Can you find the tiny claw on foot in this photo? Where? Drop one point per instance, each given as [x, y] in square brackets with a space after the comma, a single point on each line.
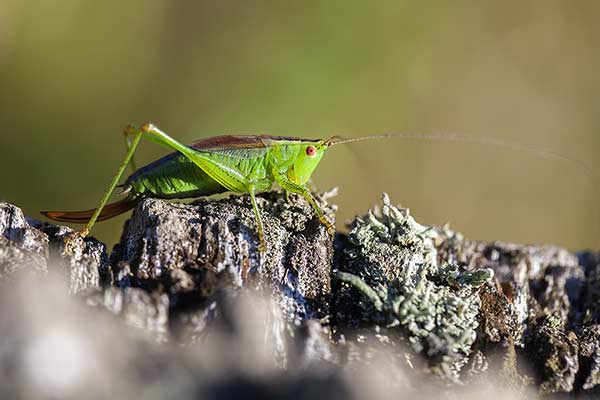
[84, 232]
[329, 227]
[262, 247]
[331, 231]
[129, 130]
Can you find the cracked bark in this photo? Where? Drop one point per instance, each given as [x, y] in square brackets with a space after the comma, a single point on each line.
[419, 301]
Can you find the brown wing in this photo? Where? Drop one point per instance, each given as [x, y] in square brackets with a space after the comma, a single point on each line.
[227, 142]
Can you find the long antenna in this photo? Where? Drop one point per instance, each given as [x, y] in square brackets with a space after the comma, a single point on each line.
[450, 137]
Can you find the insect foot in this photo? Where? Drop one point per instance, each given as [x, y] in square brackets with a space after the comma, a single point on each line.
[262, 245]
[328, 226]
[129, 130]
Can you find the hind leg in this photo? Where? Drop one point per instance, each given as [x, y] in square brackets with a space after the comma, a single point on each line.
[128, 157]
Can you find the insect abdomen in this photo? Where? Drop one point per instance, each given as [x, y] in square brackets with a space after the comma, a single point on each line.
[173, 176]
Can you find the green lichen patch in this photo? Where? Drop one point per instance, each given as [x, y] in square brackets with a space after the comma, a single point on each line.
[392, 263]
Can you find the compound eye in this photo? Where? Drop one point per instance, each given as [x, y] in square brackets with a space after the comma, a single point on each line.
[311, 151]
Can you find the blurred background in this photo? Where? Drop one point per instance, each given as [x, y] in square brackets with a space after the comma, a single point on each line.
[74, 73]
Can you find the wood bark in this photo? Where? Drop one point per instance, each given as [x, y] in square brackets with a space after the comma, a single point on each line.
[391, 306]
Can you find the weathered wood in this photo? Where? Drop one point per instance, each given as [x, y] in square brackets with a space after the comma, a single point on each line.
[31, 246]
[390, 299]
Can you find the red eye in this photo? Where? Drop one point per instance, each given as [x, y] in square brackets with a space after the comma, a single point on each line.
[311, 151]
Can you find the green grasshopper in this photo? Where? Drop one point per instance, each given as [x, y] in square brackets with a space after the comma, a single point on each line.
[237, 164]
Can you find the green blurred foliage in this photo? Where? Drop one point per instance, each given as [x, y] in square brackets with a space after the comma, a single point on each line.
[74, 72]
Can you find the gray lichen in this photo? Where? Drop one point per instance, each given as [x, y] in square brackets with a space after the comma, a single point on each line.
[392, 261]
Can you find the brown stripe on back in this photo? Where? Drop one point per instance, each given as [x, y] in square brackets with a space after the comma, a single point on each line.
[240, 141]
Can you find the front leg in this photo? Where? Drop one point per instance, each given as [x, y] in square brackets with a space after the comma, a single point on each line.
[292, 187]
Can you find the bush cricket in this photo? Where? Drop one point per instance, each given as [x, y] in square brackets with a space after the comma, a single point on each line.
[237, 164]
